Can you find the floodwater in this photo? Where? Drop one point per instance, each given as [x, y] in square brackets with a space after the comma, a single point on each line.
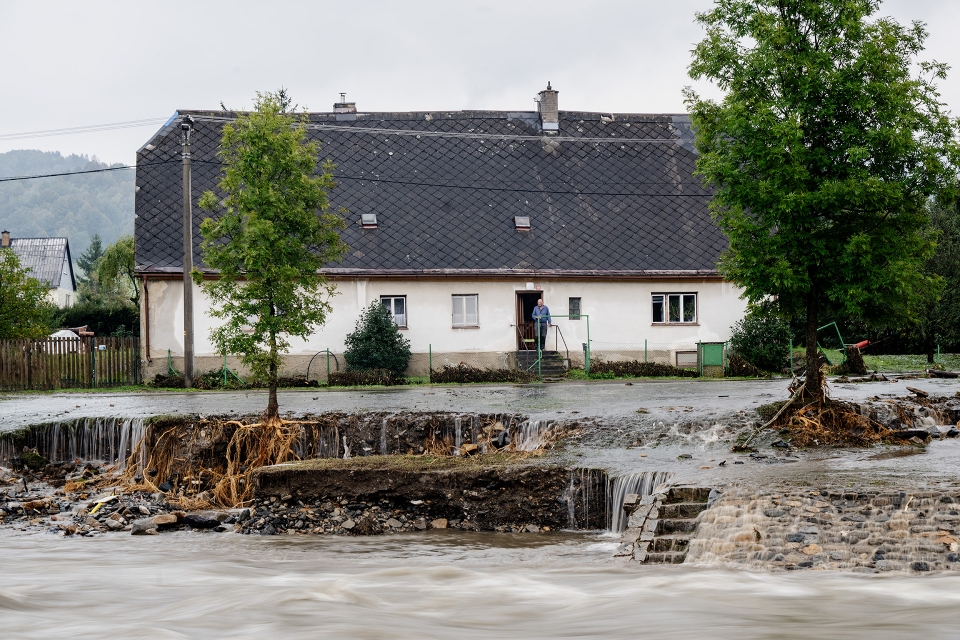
[700, 399]
[434, 585]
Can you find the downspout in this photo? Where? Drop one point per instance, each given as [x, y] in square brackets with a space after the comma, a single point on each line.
[146, 321]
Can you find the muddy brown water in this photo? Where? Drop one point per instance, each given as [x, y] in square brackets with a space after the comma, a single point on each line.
[434, 585]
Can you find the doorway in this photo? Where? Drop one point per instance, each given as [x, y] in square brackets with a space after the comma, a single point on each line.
[526, 332]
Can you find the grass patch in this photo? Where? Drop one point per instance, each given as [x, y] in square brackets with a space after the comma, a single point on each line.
[401, 462]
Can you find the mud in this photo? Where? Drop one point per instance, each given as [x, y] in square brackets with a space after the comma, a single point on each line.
[512, 496]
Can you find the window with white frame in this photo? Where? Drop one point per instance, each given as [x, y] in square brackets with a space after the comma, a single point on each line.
[397, 306]
[674, 308]
[465, 310]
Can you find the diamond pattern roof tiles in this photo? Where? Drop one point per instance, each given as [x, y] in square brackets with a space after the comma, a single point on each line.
[603, 196]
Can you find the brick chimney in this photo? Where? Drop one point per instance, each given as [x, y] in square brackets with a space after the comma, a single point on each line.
[6, 239]
[549, 110]
[345, 110]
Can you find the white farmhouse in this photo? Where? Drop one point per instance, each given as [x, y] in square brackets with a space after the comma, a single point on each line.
[49, 261]
[459, 221]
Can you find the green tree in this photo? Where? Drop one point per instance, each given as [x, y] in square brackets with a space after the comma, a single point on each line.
[273, 233]
[937, 320]
[24, 306]
[88, 259]
[823, 154]
[377, 342]
[116, 270]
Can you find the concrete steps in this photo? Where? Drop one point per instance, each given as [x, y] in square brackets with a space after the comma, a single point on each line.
[676, 523]
[551, 367]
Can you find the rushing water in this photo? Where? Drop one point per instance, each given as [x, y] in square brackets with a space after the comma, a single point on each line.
[434, 585]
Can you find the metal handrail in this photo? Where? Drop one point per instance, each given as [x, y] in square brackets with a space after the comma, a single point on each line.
[523, 342]
[328, 353]
[560, 334]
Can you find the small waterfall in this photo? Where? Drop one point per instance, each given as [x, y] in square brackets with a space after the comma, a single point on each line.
[383, 437]
[103, 440]
[457, 435]
[531, 435]
[642, 483]
[586, 489]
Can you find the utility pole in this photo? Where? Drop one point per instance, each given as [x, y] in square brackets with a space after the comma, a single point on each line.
[186, 125]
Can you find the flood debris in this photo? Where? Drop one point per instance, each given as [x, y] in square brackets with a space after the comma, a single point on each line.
[912, 419]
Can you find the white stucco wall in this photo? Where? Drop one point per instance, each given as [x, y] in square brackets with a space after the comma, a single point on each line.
[619, 312]
[62, 297]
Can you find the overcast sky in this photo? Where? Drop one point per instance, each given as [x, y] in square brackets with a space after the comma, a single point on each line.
[72, 64]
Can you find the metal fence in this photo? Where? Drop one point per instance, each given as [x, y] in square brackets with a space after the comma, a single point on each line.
[707, 358]
[68, 363]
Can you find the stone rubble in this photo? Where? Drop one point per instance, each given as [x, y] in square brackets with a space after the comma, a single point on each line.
[861, 531]
[291, 515]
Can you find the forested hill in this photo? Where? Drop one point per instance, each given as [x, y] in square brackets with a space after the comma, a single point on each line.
[73, 206]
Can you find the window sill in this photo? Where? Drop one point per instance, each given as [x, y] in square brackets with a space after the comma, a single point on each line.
[465, 326]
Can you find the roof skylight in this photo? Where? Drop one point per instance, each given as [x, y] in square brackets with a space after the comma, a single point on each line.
[368, 220]
[522, 223]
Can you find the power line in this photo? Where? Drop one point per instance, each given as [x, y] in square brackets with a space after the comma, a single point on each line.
[398, 182]
[85, 129]
[412, 183]
[75, 173]
[460, 134]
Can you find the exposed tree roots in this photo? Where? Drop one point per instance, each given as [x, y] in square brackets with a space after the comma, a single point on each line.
[832, 424]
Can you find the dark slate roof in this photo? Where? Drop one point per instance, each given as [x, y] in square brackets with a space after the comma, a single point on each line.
[611, 194]
[45, 258]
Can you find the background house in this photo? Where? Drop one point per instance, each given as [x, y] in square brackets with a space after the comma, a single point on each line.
[49, 261]
[459, 221]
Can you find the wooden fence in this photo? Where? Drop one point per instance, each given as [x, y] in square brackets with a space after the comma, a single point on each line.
[68, 363]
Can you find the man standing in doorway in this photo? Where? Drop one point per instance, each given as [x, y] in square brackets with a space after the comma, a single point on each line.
[541, 315]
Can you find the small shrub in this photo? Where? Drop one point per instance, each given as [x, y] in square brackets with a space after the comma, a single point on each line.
[637, 369]
[377, 343]
[464, 373]
[762, 338]
[366, 378]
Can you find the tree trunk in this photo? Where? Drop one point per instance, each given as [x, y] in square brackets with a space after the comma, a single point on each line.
[930, 347]
[273, 407]
[812, 389]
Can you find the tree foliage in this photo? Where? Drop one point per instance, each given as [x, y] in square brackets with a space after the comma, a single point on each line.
[87, 261]
[272, 234]
[762, 338]
[823, 155]
[111, 278]
[377, 343]
[104, 320]
[937, 320]
[24, 305]
[116, 270]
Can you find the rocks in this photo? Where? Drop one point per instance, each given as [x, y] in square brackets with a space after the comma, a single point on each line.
[439, 523]
[348, 525]
[144, 527]
[811, 549]
[198, 521]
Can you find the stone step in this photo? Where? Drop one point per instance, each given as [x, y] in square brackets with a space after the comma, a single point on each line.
[682, 510]
[677, 495]
[670, 543]
[669, 557]
[676, 525]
